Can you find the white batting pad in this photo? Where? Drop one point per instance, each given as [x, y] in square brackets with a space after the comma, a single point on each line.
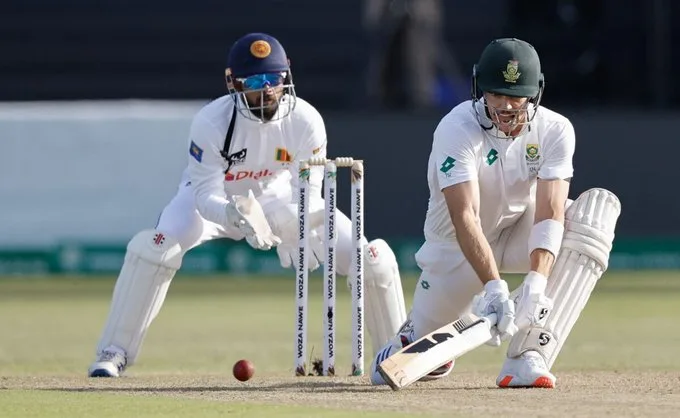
[151, 261]
[583, 258]
[385, 310]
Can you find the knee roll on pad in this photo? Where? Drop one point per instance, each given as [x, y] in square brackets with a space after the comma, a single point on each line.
[156, 248]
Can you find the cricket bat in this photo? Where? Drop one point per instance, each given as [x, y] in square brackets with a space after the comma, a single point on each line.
[434, 350]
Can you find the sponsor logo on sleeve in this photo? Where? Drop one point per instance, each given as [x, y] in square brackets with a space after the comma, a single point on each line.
[447, 165]
[196, 151]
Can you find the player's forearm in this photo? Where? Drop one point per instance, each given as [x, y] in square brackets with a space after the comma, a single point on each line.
[210, 204]
[207, 182]
[551, 210]
[542, 261]
[475, 246]
[546, 235]
[214, 209]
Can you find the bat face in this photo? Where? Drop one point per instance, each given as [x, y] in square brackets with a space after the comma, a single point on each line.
[435, 349]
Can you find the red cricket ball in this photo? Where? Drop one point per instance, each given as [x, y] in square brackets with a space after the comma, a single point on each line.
[243, 370]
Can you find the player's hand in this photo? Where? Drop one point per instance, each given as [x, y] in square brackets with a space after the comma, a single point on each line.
[245, 213]
[532, 305]
[288, 254]
[496, 299]
[284, 221]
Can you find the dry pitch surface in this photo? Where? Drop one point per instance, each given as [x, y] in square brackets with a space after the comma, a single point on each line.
[464, 394]
[621, 360]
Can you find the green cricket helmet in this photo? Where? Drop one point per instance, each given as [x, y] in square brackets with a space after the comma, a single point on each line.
[509, 67]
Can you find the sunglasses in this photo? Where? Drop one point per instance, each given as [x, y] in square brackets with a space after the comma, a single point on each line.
[260, 81]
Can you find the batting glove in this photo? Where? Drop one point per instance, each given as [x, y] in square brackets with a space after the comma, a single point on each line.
[496, 299]
[532, 305]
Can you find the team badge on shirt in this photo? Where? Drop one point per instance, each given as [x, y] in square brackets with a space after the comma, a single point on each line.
[196, 151]
[532, 158]
[532, 153]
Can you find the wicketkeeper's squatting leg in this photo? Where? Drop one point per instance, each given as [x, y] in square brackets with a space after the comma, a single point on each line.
[385, 308]
[153, 258]
[583, 258]
[151, 261]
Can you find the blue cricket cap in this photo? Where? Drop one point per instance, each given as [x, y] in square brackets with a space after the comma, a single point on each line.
[257, 53]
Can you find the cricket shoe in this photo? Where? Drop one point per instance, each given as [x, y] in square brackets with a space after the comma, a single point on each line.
[438, 373]
[111, 363]
[526, 371]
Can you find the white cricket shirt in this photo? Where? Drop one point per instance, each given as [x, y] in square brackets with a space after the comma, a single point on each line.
[262, 157]
[506, 169]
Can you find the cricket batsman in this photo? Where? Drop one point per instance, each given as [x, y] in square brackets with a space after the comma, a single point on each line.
[240, 183]
[498, 175]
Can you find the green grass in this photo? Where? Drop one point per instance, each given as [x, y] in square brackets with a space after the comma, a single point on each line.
[28, 404]
[49, 327]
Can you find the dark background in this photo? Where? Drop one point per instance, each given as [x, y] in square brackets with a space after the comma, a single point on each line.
[611, 66]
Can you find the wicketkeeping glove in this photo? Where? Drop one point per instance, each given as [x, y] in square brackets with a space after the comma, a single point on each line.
[285, 222]
[245, 213]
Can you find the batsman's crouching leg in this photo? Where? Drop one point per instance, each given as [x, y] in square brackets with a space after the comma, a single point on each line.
[583, 258]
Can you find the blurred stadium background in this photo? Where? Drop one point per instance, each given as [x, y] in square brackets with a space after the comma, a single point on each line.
[97, 97]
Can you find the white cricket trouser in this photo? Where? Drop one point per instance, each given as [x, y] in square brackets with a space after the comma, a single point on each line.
[180, 219]
[384, 300]
[448, 283]
[144, 280]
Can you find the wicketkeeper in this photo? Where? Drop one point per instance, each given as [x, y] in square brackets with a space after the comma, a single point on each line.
[243, 153]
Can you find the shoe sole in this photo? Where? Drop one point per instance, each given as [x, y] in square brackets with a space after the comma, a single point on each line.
[543, 382]
[101, 373]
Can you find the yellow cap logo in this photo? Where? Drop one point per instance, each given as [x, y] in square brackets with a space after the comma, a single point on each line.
[511, 73]
[260, 49]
